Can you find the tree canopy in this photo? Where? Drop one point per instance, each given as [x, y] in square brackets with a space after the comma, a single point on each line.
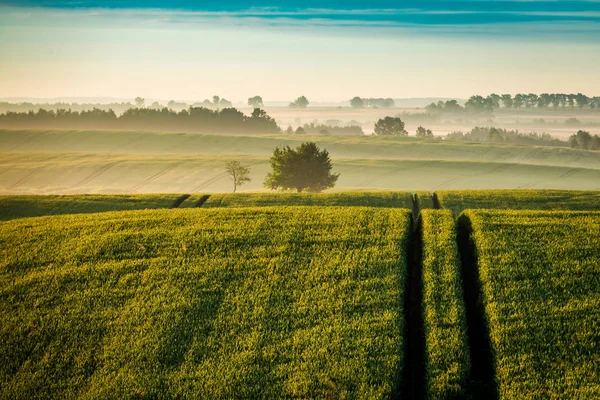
[300, 102]
[256, 102]
[304, 168]
[424, 133]
[358, 102]
[390, 126]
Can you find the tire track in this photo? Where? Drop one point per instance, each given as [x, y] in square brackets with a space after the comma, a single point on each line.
[28, 176]
[180, 200]
[156, 176]
[96, 174]
[570, 172]
[209, 181]
[412, 381]
[529, 155]
[482, 382]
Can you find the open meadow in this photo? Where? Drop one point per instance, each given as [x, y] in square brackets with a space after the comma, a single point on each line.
[63, 162]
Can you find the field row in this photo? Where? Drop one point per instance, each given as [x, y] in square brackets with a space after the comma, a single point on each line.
[297, 302]
[539, 274]
[277, 302]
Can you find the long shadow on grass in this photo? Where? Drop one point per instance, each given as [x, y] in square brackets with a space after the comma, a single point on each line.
[180, 200]
[481, 382]
[436, 201]
[412, 381]
[202, 200]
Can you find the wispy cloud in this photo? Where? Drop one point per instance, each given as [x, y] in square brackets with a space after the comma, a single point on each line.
[558, 18]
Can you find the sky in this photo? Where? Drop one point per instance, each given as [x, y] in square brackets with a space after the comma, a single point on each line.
[327, 50]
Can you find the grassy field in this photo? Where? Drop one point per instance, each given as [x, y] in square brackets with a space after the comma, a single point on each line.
[12, 207]
[293, 302]
[447, 353]
[459, 200]
[539, 273]
[365, 199]
[63, 162]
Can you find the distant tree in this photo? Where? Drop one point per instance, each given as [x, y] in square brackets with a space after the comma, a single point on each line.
[156, 106]
[300, 102]
[583, 139]
[324, 132]
[479, 104]
[494, 135]
[507, 100]
[390, 126]
[424, 133]
[303, 168]
[300, 131]
[256, 102]
[216, 100]
[261, 122]
[518, 100]
[289, 130]
[595, 143]
[357, 102]
[139, 102]
[531, 100]
[223, 103]
[572, 122]
[237, 173]
[581, 100]
[175, 105]
[494, 100]
[544, 100]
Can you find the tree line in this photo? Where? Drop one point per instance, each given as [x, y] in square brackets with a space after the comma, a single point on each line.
[194, 119]
[359, 102]
[394, 126]
[488, 104]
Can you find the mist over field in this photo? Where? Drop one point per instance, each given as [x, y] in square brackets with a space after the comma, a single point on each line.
[316, 199]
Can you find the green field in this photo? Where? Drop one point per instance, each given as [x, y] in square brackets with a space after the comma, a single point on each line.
[279, 295]
[459, 200]
[12, 207]
[365, 199]
[258, 302]
[539, 273]
[70, 162]
[447, 353]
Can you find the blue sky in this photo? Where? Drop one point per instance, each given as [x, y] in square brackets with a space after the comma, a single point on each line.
[327, 50]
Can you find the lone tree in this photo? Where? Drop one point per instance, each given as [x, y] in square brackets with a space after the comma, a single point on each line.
[238, 173]
[424, 133]
[256, 102]
[300, 102]
[139, 102]
[390, 126]
[305, 167]
[357, 102]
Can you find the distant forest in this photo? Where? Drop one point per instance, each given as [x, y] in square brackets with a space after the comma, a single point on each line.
[194, 119]
[480, 104]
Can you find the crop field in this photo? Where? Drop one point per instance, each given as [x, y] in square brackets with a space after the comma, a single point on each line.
[446, 348]
[191, 303]
[539, 274]
[366, 199]
[109, 162]
[576, 200]
[22, 206]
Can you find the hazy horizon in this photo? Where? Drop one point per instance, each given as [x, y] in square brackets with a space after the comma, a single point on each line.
[327, 52]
